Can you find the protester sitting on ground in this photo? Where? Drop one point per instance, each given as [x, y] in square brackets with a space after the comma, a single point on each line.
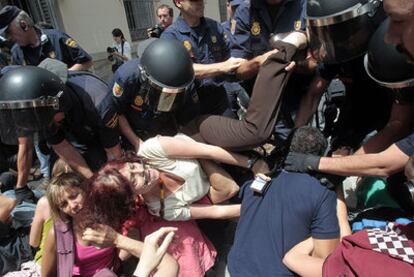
[171, 180]
[291, 208]
[76, 205]
[41, 224]
[169, 158]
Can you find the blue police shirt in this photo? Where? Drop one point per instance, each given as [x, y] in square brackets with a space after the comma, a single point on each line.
[254, 25]
[206, 44]
[54, 44]
[295, 207]
[89, 114]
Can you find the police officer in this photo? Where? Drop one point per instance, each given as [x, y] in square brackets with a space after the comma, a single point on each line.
[205, 41]
[340, 47]
[34, 45]
[391, 69]
[76, 115]
[149, 93]
[255, 22]
[237, 95]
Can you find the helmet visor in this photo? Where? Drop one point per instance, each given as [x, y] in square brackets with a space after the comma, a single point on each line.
[165, 99]
[344, 36]
[21, 118]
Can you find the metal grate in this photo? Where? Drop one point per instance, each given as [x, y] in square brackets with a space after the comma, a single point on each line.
[140, 16]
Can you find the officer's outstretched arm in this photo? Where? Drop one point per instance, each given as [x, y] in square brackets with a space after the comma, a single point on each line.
[249, 68]
[114, 152]
[208, 70]
[68, 153]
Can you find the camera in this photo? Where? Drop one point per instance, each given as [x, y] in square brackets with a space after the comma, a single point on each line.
[110, 51]
[155, 32]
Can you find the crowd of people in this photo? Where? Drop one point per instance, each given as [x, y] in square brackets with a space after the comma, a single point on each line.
[236, 122]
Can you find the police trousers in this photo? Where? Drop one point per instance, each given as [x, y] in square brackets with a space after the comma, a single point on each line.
[265, 102]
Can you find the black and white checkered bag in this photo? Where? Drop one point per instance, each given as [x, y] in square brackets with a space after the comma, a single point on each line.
[391, 241]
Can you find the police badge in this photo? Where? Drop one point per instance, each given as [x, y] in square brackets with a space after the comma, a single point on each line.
[255, 30]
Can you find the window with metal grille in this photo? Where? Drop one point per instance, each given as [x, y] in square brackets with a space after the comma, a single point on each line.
[223, 10]
[140, 16]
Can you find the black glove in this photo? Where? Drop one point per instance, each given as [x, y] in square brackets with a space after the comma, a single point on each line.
[300, 162]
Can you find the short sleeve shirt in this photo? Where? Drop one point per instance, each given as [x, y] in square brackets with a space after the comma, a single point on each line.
[54, 44]
[295, 207]
[89, 113]
[205, 43]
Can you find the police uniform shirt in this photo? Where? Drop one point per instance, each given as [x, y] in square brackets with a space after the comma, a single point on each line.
[206, 44]
[125, 89]
[89, 114]
[54, 44]
[253, 26]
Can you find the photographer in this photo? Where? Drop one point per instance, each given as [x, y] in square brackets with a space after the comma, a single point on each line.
[120, 50]
[165, 15]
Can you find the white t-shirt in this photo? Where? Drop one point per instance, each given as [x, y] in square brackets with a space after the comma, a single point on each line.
[195, 187]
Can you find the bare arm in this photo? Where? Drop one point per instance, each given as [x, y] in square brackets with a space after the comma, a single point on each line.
[81, 66]
[397, 127]
[209, 70]
[113, 152]
[127, 131]
[106, 236]
[299, 260]
[309, 102]
[24, 160]
[6, 207]
[42, 213]
[384, 163]
[71, 155]
[199, 211]
[190, 149]
[49, 259]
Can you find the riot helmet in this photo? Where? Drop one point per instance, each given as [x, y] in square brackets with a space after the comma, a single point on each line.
[387, 66]
[339, 30]
[167, 73]
[29, 98]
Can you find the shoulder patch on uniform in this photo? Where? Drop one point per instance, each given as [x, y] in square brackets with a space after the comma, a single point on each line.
[138, 101]
[298, 25]
[71, 43]
[255, 30]
[233, 26]
[113, 122]
[187, 45]
[117, 90]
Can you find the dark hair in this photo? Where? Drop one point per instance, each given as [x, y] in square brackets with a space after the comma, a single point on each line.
[118, 33]
[308, 140]
[164, 6]
[109, 200]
